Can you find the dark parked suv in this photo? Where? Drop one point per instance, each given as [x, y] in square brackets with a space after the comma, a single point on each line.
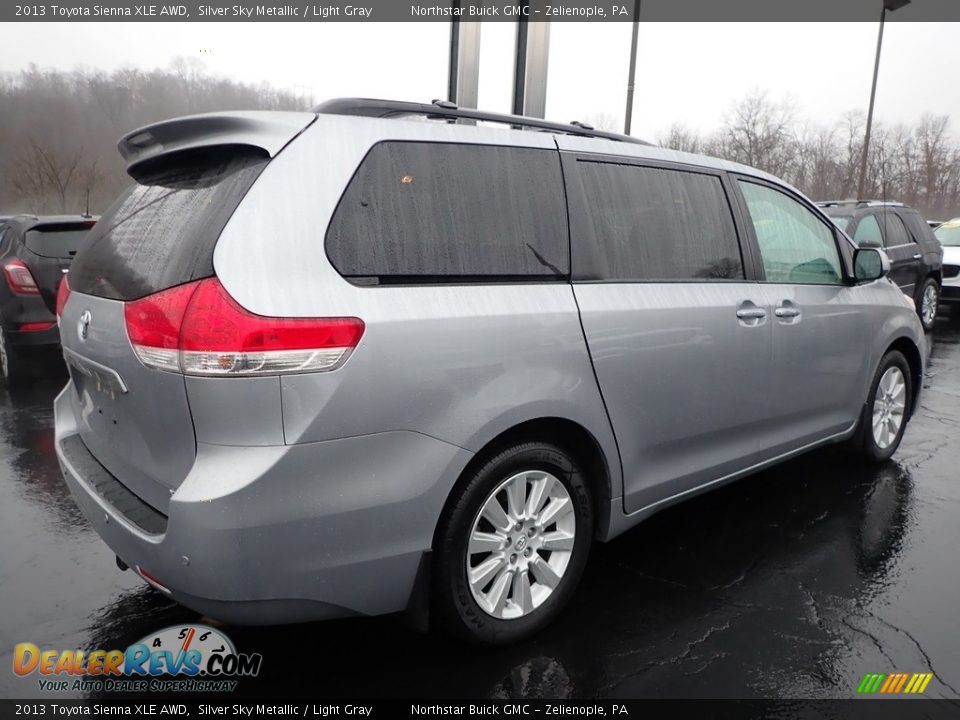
[35, 252]
[916, 258]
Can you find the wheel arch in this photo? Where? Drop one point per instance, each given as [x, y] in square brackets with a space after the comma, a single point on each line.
[911, 352]
[567, 434]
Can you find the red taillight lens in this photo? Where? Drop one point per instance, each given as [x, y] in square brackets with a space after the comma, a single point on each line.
[63, 293]
[19, 278]
[35, 326]
[198, 329]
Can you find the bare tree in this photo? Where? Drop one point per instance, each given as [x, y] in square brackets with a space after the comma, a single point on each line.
[47, 172]
[681, 137]
[758, 132]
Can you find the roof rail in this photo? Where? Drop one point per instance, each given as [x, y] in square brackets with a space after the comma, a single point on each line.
[445, 110]
[859, 203]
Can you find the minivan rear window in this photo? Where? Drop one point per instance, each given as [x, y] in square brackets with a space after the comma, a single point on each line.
[55, 242]
[440, 212]
[162, 231]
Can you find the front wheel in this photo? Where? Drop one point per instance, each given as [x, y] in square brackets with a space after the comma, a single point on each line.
[512, 544]
[887, 410]
[929, 303]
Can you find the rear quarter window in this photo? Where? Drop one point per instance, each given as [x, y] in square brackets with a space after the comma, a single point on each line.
[438, 212]
[163, 230]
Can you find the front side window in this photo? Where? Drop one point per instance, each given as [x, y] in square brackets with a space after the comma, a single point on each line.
[868, 232]
[795, 245]
[655, 224]
[442, 212]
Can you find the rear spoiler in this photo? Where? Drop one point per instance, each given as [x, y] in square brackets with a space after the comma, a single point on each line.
[268, 131]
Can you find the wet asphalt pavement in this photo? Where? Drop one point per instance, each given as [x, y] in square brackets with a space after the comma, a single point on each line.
[792, 583]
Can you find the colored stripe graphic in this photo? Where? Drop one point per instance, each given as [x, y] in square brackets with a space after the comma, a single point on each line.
[894, 683]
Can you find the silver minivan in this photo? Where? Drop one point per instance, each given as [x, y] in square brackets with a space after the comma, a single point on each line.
[386, 356]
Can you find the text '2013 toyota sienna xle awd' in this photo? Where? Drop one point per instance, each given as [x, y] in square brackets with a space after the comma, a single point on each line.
[339, 362]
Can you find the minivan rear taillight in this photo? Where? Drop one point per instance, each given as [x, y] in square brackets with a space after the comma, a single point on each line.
[63, 293]
[198, 329]
[19, 278]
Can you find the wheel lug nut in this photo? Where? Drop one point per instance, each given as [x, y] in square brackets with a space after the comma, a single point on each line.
[513, 558]
[527, 552]
[531, 532]
[518, 526]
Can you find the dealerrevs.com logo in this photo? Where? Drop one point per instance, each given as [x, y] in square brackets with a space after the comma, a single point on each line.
[192, 658]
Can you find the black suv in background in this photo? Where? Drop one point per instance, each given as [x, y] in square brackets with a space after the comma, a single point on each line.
[916, 258]
[35, 253]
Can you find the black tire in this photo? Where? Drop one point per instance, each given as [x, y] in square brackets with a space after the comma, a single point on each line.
[11, 362]
[864, 444]
[931, 319]
[455, 608]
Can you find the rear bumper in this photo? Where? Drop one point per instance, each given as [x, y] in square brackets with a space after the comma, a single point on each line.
[17, 310]
[266, 535]
[49, 338]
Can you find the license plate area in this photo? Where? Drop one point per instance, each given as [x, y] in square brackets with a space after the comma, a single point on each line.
[85, 372]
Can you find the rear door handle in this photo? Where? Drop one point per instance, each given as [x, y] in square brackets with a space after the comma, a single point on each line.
[917, 256]
[787, 312]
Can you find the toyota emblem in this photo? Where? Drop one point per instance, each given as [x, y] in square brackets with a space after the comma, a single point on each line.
[83, 326]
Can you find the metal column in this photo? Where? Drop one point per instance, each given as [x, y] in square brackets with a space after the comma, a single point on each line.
[530, 67]
[463, 79]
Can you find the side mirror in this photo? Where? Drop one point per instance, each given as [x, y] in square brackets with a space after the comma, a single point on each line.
[870, 264]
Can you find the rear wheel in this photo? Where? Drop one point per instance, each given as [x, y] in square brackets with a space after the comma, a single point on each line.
[886, 412]
[512, 544]
[929, 301]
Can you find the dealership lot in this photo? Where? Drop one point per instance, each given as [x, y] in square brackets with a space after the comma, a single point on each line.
[792, 583]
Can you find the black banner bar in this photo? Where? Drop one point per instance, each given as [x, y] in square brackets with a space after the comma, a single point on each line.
[473, 10]
[521, 709]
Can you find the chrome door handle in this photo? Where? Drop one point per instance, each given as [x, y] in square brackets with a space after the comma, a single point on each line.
[786, 312]
[751, 314]
[917, 256]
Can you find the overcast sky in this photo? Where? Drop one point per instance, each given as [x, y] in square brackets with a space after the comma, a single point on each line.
[686, 72]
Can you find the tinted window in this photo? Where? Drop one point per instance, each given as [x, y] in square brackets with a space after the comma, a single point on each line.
[895, 231]
[430, 211]
[917, 227]
[796, 246]
[55, 241]
[658, 224]
[868, 232]
[163, 230]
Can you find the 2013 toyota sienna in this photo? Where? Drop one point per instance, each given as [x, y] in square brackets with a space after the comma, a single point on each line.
[356, 361]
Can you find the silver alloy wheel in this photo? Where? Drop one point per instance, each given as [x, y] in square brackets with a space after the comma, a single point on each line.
[520, 544]
[928, 304]
[4, 360]
[888, 407]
